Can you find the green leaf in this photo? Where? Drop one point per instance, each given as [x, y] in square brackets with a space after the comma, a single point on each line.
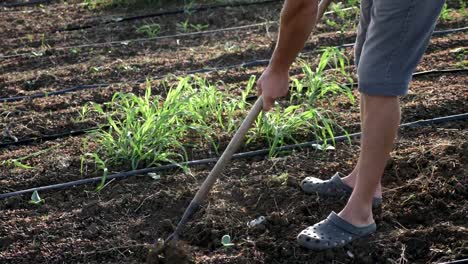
[35, 198]
[18, 164]
[226, 241]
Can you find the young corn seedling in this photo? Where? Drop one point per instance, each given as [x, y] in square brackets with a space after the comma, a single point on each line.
[151, 30]
[18, 162]
[303, 116]
[318, 85]
[186, 26]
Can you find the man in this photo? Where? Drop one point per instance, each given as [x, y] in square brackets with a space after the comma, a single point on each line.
[392, 37]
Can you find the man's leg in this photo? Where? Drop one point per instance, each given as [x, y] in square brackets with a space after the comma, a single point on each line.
[395, 40]
[380, 120]
[351, 179]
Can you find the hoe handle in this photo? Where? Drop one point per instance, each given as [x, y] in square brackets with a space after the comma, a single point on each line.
[236, 141]
[322, 8]
[234, 144]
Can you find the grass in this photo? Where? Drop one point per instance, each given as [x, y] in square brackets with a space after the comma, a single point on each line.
[151, 130]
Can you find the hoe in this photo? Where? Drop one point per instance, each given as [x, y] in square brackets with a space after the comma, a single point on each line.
[171, 250]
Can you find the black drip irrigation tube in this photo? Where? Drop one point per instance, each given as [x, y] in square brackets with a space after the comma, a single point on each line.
[244, 155]
[250, 64]
[460, 261]
[21, 4]
[170, 12]
[72, 133]
[127, 41]
[80, 132]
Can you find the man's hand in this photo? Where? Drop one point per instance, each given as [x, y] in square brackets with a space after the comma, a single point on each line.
[298, 18]
[272, 85]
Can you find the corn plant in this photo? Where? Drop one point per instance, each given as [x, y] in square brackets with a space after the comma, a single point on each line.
[149, 130]
[186, 26]
[18, 162]
[344, 20]
[446, 13]
[151, 30]
[281, 127]
[143, 130]
[317, 84]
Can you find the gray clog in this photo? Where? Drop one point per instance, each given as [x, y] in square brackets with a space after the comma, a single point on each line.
[332, 187]
[332, 232]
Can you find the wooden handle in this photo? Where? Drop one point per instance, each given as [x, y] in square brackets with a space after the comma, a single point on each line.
[234, 144]
[322, 8]
[236, 141]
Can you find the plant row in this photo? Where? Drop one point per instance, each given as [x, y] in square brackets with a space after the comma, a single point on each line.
[144, 131]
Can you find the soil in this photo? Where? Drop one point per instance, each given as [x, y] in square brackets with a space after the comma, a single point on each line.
[422, 220]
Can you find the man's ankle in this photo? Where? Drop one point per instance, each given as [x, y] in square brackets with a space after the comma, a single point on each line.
[356, 216]
[350, 180]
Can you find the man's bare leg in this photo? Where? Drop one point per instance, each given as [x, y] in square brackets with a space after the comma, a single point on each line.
[380, 121]
[351, 178]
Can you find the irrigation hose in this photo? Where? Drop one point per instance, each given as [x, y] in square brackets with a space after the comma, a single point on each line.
[254, 63]
[190, 34]
[244, 155]
[179, 35]
[460, 261]
[72, 133]
[171, 12]
[79, 132]
[21, 4]
[161, 13]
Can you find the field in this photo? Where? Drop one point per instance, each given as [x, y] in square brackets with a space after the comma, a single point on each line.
[68, 69]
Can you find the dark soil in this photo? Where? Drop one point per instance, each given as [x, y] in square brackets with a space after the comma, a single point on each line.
[423, 218]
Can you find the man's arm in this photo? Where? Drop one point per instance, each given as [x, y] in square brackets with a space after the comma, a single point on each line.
[298, 18]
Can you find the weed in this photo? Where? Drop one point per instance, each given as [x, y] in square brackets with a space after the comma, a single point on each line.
[18, 162]
[100, 4]
[36, 199]
[344, 20]
[461, 56]
[30, 37]
[230, 47]
[74, 51]
[446, 13]
[226, 241]
[44, 44]
[186, 26]
[95, 69]
[36, 54]
[354, 3]
[316, 85]
[199, 27]
[93, 4]
[151, 30]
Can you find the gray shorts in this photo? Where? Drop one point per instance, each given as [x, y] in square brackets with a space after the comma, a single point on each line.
[392, 37]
